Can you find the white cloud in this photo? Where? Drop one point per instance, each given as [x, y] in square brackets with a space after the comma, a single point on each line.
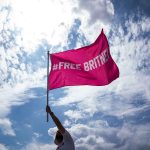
[52, 131]
[136, 137]
[2, 147]
[43, 24]
[74, 114]
[36, 135]
[102, 10]
[28, 125]
[38, 146]
[94, 16]
[98, 136]
[6, 127]
[11, 96]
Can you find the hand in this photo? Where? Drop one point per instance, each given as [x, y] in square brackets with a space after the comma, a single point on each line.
[48, 110]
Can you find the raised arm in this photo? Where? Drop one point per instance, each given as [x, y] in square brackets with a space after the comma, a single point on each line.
[56, 120]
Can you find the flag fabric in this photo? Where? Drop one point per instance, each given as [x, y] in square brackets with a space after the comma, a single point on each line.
[89, 65]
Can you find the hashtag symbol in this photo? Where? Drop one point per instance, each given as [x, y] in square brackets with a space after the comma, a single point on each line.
[55, 66]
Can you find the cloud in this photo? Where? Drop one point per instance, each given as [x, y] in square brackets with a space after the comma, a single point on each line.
[11, 97]
[2, 147]
[45, 25]
[98, 136]
[36, 135]
[74, 114]
[98, 10]
[38, 146]
[6, 127]
[52, 131]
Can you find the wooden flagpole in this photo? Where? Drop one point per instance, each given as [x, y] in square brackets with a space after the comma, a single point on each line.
[47, 80]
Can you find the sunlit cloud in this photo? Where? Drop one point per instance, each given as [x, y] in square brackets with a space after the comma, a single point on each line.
[51, 19]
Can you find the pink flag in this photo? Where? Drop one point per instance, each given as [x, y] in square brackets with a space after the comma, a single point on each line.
[89, 65]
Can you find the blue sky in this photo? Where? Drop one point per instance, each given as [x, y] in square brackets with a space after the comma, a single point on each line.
[113, 117]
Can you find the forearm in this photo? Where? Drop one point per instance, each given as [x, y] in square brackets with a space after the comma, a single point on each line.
[55, 119]
[57, 122]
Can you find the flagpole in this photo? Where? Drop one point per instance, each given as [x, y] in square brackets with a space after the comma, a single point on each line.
[47, 80]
